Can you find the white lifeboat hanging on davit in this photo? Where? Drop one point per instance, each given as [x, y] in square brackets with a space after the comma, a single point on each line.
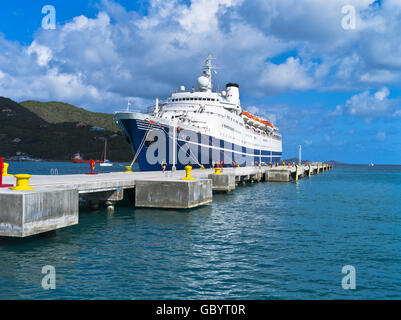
[256, 122]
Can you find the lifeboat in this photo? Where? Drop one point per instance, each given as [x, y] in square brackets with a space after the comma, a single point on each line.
[249, 118]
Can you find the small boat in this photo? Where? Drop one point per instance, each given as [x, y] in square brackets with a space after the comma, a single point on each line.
[105, 162]
[371, 164]
[77, 158]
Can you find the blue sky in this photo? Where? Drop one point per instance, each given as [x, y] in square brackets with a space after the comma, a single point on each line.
[335, 91]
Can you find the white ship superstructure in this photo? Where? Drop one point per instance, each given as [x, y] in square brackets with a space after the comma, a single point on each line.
[201, 128]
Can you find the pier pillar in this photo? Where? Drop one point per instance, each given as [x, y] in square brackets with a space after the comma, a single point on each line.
[279, 175]
[110, 206]
[177, 194]
[222, 182]
[25, 213]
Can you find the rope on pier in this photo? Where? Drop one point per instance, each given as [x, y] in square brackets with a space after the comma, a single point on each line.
[141, 145]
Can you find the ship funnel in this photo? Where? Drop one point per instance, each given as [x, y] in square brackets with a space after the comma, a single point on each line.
[232, 91]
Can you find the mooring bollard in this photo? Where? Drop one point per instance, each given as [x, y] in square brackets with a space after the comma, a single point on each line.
[22, 182]
[1, 175]
[128, 169]
[217, 170]
[5, 169]
[92, 165]
[202, 166]
[296, 173]
[188, 170]
[310, 171]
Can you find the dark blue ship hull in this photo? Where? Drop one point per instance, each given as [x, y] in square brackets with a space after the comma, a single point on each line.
[155, 144]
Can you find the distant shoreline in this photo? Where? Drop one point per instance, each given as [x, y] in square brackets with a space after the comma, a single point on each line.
[341, 164]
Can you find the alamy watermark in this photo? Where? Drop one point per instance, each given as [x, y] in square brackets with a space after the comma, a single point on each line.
[192, 148]
[49, 20]
[348, 22]
[349, 280]
[49, 280]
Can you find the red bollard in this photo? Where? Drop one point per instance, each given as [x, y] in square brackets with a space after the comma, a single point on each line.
[1, 175]
[92, 166]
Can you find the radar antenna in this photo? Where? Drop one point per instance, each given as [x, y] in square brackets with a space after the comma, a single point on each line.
[207, 71]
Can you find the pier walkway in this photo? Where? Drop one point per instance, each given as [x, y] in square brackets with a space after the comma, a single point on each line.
[54, 201]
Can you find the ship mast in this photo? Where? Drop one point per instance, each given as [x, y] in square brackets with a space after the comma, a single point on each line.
[208, 72]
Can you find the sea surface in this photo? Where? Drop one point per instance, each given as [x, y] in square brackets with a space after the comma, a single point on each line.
[262, 241]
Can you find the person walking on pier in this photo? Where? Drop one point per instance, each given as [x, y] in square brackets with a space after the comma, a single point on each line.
[164, 165]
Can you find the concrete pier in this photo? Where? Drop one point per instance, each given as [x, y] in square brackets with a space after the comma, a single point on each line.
[26, 213]
[54, 201]
[175, 194]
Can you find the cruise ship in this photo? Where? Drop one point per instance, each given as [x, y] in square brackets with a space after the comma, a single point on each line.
[202, 128]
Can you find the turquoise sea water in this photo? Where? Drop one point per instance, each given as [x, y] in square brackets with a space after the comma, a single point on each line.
[262, 241]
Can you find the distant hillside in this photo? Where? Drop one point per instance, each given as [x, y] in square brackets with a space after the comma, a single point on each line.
[23, 131]
[58, 112]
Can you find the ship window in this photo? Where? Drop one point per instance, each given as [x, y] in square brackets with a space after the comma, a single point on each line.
[208, 99]
[192, 98]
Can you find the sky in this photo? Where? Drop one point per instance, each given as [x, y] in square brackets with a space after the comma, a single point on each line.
[328, 73]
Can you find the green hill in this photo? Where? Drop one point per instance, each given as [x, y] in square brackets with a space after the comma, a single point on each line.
[59, 112]
[23, 131]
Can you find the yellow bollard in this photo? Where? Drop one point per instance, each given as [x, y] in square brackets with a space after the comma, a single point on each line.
[310, 170]
[188, 170]
[128, 169]
[22, 182]
[296, 173]
[202, 166]
[5, 174]
[318, 169]
[217, 170]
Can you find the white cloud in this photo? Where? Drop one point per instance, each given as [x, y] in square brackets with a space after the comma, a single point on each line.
[291, 75]
[43, 53]
[100, 62]
[370, 106]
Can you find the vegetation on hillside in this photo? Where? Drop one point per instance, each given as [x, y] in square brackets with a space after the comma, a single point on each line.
[23, 131]
[59, 112]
